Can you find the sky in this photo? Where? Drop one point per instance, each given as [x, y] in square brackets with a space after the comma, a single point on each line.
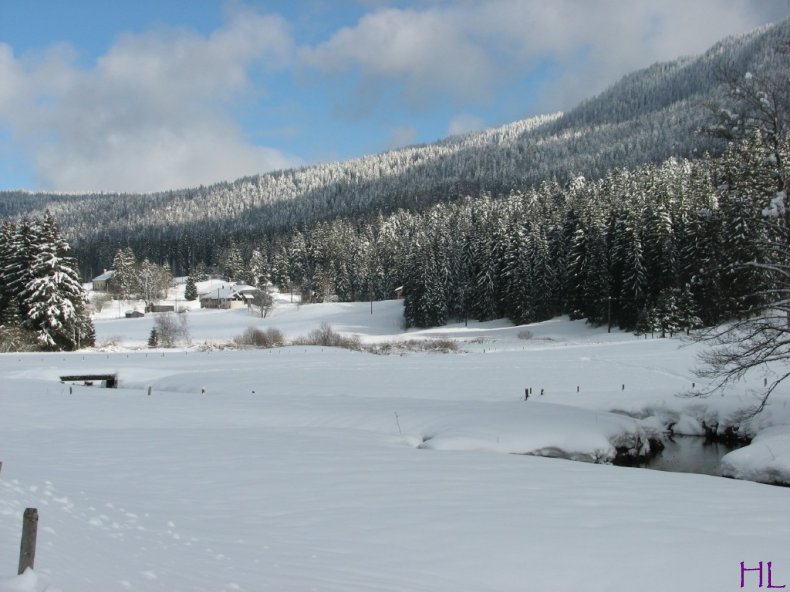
[151, 95]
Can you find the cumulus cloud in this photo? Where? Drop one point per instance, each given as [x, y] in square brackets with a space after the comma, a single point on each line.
[427, 51]
[465, 51]
[151, 114]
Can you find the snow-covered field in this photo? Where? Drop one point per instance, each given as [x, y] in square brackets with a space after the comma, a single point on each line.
[309, 468]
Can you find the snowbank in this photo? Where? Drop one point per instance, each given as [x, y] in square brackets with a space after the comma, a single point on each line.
[766, 459]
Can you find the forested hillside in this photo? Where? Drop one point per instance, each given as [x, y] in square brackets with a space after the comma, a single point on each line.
[639, 207]
[647, 117]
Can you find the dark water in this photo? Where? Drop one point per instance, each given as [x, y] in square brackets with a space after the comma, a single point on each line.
[690, 454]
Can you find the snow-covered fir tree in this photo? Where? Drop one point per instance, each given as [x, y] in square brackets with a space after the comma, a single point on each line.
[51, 302]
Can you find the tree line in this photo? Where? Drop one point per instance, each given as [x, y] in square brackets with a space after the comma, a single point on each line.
[665, 248]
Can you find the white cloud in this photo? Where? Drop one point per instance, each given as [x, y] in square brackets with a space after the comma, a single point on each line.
[465, 51]
[153, 112]
[464, 123]
[150, 115]
[427, 51]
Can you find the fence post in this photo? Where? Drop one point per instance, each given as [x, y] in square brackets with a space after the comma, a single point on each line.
[27, 550]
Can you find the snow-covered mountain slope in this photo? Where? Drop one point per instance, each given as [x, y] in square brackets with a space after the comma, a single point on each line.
[648, 116]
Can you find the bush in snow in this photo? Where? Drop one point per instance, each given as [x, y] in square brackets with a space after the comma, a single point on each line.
[326, 336]
[270, 337]
[171, 329]
[413, 345]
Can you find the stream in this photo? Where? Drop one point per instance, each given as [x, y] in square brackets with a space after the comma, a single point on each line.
[690, 454]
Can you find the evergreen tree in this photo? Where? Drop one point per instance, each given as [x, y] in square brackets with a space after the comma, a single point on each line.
[234, 267]
[190, 289]
[7, 230]
[258, 270]
[425, 304]
[53, 298]
[742, 197]
[17, 267]
[125, 281]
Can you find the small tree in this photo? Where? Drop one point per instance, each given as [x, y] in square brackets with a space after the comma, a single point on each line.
[154, 281]
[190, 290]
[667, 317]
[264, 301]
[171, 329]
[124, 281]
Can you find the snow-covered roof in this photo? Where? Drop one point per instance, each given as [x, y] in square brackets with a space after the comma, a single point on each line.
[105, 276]
[228, 292]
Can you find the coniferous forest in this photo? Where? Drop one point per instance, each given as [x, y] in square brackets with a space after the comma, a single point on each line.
[658, 206]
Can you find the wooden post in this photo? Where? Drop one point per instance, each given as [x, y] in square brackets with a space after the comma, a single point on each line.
[27, 550]
[149, 391]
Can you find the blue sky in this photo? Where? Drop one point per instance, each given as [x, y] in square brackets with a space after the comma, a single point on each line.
[146, 95]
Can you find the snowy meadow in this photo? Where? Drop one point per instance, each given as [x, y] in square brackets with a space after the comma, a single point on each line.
[314, 468]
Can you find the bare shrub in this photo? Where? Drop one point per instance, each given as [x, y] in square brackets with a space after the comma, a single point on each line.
[413, 345]
[171, 329]
[254, 337]
[110, 341]
[100, 300]
[441, 345]
[325, 336]
[525, 334]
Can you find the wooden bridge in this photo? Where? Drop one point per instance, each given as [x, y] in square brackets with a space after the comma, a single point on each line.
[107, 380]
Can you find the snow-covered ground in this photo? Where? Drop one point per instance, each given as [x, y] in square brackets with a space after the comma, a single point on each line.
[309, 468]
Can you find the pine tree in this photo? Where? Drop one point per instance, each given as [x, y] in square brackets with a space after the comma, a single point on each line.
[7, 230]
[53, 298]
[125, 281]
[190, 289]
[234, 264]
[425, 305]
[742, 197]
[17, 268]
[258, 270]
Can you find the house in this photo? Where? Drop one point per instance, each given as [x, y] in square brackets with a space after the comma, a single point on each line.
[101, 283]
[228, 297]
